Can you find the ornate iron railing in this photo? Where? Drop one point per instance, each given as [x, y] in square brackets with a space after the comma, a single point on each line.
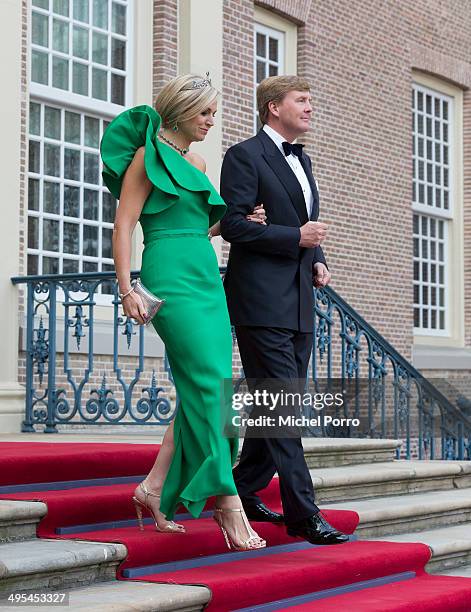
[395, 399]
[392, 398]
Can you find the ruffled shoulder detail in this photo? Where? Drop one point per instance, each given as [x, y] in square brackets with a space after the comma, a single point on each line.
[165, 167]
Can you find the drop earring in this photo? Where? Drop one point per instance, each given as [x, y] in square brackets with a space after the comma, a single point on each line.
[175, 127]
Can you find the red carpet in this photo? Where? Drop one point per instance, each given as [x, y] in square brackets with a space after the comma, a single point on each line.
[423, 594]
[254, 581]
[236, 580]
[29, 462]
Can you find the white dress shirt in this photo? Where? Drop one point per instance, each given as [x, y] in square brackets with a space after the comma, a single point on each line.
[295, 165]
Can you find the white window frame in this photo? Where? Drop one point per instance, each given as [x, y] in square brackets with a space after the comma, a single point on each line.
[432, 211]
[268, 23]
[70, 101]
[48, 93]
[453, 335]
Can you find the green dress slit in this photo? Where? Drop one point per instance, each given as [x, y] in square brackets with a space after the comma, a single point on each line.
[180, 265]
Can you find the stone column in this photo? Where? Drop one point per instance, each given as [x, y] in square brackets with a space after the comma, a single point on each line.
[12, 394]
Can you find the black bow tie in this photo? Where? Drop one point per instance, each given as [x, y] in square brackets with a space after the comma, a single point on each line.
[296, 149]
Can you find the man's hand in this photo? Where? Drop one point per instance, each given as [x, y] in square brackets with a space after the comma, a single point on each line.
[312, 234]
[320, 275]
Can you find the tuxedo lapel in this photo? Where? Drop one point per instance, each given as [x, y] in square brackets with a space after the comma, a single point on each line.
[286, 176]
[315, 194]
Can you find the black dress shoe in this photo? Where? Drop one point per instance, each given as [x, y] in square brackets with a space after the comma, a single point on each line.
[316, 530]
[260, 512]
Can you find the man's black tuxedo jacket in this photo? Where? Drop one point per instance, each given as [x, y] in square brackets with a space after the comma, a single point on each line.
[269, 276]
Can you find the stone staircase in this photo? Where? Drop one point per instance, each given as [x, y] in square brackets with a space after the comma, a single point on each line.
[404, 501]
[86, 571]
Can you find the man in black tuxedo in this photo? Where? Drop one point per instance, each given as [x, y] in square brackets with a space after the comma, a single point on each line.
[269, 289]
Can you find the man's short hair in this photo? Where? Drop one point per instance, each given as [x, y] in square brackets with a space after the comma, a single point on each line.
[274, 89]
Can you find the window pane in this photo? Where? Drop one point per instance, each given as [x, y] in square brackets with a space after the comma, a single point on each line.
[61, 7]
[118, 53]
[80, 42]
[106, 243]
[39, 67]
[92, 132]
[272, 70]
[52, 164]
[80, 79]
[33, 233]
[90, 241]
[118, 18]
[261, 42]
[51, 198]
[100, 48]
[99, 84]
[81, 10]
[71, 201]
[100, 14]
[442, 319]
[273, 49]
[109, 208]
[260, 71]
[90, 204]
[52, 122]
[60, 73]
[90, 266]
[72, 127]
[50, 265]
[41, 3]
[34, 149]
[33, 194]
[39, 30]
[50, 235]
[70, 266]
[72, 164]
[60, 36]
[32, 264]
[117, 89]
[34, 118]
[91, 168]
[107, 287]
[71, 238]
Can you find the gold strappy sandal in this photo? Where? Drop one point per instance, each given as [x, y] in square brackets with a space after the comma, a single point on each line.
[139, 505]
[252, 543]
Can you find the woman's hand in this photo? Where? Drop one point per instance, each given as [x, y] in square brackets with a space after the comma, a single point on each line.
[259, 215]
[134, 308]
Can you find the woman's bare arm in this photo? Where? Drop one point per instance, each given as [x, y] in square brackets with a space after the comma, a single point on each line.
[135, 190]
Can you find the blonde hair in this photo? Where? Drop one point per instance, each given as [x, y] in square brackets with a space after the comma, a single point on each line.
[177, 102]
[274, 89]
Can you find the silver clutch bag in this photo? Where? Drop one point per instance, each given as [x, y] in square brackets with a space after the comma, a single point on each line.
[151, 302]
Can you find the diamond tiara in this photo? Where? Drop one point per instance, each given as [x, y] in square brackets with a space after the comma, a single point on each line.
[198, 83]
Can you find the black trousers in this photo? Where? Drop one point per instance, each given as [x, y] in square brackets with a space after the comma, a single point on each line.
[275, 353]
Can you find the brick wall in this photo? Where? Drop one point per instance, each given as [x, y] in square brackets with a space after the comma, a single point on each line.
[165, 42]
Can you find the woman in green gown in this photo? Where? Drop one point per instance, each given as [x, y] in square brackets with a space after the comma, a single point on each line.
[161, 184]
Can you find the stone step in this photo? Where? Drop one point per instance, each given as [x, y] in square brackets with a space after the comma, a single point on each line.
[397, 477]
[127, 596]
[19, 519]
[462, 570]
[336, 452]
[384, 516]
[320, 452]
[57, 564]
[451, 546]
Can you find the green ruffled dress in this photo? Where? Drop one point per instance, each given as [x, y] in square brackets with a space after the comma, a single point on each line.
[180, 265]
